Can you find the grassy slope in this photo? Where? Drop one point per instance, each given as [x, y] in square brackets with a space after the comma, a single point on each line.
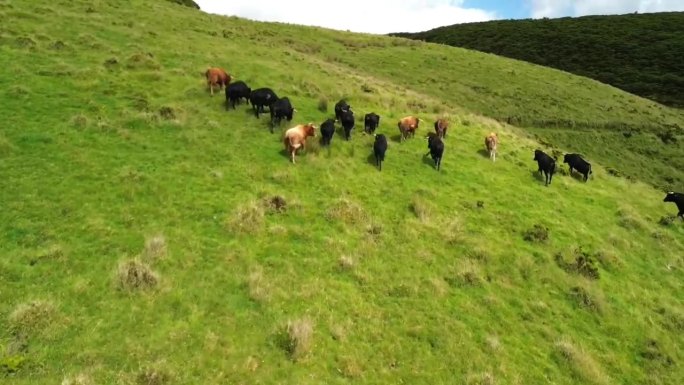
[440, 291]
[634, 52]
[596, 122]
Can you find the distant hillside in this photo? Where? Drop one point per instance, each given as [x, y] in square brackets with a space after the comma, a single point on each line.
[639, 53]
[187, 3]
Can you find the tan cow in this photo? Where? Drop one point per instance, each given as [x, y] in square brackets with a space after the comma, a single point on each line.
[295, 137]
[217, 77]
[491, 142]
[441, 127]
[408, 126]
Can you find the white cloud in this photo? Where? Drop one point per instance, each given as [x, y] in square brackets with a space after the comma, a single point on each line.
[373, 16]
[556, 8]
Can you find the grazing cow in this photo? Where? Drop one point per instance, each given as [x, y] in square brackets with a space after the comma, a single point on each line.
[341, 107]
[441, 126]
[281, 108]
[295, 137]
[678, 199]
[327, 132]
[260, 98]
[436, 147]
[408, 126]
[236, 91]
[371, 122]
[347, 120]
[379, 148]
[575, 161]
[546, 164]
[491, 144]
[217, 77]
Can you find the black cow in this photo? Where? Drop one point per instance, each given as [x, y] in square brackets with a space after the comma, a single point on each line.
[371, 122]
[327, 132]
[235, 92]
[575, 161]
[546, 164]
[678, 199]
[347, 120]
[436, 147]
[379, 148]
[341, 107]
[281, 108]
[260, 98]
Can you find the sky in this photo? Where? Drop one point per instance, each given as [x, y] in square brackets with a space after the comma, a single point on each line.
[384, 16]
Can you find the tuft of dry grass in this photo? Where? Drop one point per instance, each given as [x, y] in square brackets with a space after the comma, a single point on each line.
[580, 362]
[32, 316]
[346, 211]
[257, 285]
[485, 378]
[346, 262]
[79, 379]
[300, 338]
[6, 146]
[588, 298]
[155, 247]
[421, 209]
[246, 219]
[153, 375]
[350, 367]
[135, 275]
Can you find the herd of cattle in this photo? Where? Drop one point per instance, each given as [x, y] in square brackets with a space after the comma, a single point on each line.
[295, 138]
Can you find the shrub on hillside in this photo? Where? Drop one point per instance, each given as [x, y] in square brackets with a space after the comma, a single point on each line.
[323, 104]
[581, 262]
[538, 233]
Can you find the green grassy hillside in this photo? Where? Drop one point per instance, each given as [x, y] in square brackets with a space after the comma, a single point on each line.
[143, 238]
[638, 53]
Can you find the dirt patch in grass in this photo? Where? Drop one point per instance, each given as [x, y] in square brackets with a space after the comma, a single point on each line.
[135, 275]
[32, 316]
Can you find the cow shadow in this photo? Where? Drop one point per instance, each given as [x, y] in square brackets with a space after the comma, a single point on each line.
[577, 176]
[483, 152]
[395, 138]
[371, 160]
[427, 159]
[538, 176]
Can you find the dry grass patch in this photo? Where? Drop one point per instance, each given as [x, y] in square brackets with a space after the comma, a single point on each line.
[155, 248]
[588, 298]
[485, 378]
[345, 263]
[246, 219]
[580, 363]
[346, 211]
[257, 285]
[153, 375]
[79, 379]
[32, 316]
[421, 208]
[300, 338]
[135, 275]
[350, 367]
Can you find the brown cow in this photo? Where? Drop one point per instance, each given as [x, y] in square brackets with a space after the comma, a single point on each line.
[217, 77]
[408, 126]
[295, 137]
[491, 142]
[441, 126]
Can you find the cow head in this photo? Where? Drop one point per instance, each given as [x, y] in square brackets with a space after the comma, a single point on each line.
[430, 137]
[537, 155]
[670, 197]
[310, 130]
[566, 158]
